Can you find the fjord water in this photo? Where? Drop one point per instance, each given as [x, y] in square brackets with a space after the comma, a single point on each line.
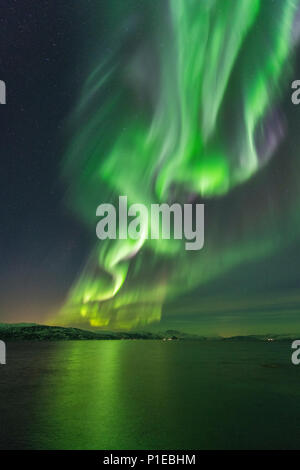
[149, 395]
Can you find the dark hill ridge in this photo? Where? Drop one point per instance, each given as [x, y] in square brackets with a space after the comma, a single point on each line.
[35, 332]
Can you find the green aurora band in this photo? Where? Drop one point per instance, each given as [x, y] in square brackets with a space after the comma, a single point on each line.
[182, 114]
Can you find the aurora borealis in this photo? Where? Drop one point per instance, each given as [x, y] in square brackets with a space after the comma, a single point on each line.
[150, 226]
[162, 102]
[189, 112]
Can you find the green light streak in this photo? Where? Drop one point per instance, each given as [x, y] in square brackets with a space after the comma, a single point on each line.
[215, 59]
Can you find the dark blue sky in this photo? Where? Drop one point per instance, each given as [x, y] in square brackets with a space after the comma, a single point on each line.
[41, 244]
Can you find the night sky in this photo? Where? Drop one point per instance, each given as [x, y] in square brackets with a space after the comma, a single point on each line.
[47, 50]
[42, 245]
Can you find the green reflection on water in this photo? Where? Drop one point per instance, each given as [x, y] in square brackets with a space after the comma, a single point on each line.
[172, 395]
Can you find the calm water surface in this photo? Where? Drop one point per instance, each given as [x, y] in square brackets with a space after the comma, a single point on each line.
[149, 395]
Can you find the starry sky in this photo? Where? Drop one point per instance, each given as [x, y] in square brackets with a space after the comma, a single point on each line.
[42, 246]
[50, 56]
